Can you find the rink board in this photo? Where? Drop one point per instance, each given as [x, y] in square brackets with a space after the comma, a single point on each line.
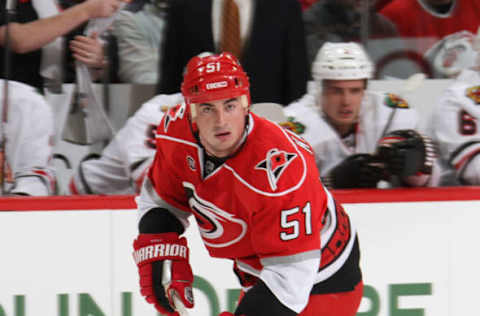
[418, 257]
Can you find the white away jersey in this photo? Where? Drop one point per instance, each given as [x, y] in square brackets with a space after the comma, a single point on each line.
[456, 120]
[29, 136]
[124, 162]
[306, 119]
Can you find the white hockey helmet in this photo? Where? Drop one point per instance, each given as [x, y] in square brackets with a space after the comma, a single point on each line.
[342, 61]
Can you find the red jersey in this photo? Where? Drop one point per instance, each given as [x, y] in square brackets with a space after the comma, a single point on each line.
[415, 19]
[264, 204]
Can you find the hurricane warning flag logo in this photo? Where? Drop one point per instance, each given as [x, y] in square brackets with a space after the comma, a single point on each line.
[173, 114]
[218, 227]
[275, 164]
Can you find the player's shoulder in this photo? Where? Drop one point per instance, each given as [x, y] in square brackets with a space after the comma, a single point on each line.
[387, 100]
[154, 109]
[466, 85]
[273, 160]
[302, 115]
[26, 98]
[175, 129]
[21, 90]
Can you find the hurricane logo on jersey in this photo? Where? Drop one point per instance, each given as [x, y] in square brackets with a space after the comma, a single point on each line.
[218, 228]
[474, 94]
[173, 114]
[275, 164]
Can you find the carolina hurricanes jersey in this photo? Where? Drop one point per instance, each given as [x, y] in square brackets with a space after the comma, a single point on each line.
[306, 118]
[455, 127]
[264, 206]
[124, 162]
[414, 18]
[29, 136]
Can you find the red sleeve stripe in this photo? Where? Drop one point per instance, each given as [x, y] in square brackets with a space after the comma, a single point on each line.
[462, 157]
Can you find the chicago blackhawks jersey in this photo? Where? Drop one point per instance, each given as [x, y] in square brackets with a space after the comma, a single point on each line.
[124, 162]
[262, 207]
[29, 136]
[306, 118]
[456, 122]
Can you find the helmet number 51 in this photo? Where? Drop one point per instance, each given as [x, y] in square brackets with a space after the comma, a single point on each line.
[212, 67]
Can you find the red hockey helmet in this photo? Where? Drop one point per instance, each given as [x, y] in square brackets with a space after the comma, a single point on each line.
[214, 77]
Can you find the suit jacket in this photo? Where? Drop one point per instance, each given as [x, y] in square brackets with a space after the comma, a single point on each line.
[274, 55]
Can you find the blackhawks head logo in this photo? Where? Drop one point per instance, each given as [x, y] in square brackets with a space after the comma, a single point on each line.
[294, 126]
[394, 101]
[474, 94]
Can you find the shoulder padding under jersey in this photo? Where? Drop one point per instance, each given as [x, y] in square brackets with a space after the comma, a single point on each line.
[273, 161]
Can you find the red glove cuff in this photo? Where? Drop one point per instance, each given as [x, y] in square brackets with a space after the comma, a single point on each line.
[153, 247]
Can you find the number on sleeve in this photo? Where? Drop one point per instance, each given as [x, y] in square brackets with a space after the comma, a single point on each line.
[467, 123]
[291, 227]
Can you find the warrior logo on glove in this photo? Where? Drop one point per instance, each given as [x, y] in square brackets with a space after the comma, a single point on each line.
[165, 274]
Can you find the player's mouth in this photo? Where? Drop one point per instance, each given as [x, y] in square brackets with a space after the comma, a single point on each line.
[223, 135]
[345, 113]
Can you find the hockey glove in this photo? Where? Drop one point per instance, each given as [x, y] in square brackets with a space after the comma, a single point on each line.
[165, 274]
[406, 153]
[356, 171]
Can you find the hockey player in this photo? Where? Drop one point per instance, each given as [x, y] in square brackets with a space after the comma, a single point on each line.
[456, 122]
[359, 137]
[124, 162]
[28, 134]
[255, 193]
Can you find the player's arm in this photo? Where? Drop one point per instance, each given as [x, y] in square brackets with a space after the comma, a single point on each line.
[138, 136]
[355, 171]
[457, 134]
[26, 37]
[471, 173]
[29, 150]
[161, 254]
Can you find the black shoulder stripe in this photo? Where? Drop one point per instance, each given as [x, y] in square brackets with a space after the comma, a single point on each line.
[460, 149]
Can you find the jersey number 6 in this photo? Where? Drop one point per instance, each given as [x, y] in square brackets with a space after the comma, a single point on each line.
[292, 225]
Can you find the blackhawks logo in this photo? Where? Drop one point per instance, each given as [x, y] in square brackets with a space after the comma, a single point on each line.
[294, 126]
[394, 101]
[474, 94]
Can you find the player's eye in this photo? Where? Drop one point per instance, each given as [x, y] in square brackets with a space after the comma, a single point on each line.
[230, 106]
[206, 109]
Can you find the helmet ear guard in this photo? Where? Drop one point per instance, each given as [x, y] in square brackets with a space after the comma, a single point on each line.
[214, 77]
[342, 61]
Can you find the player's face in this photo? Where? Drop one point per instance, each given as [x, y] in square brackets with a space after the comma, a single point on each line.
[221, 125]
[341, 100]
